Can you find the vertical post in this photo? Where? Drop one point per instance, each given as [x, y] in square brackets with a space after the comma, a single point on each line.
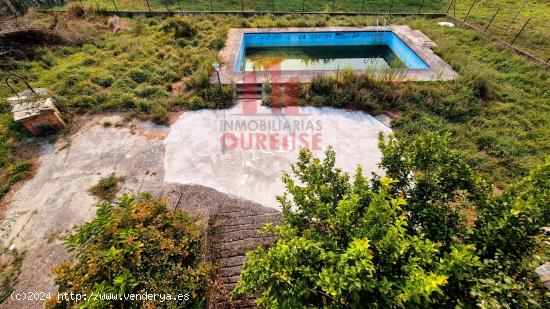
[492, 19]
[303, 6]
[242, 5]
[391, 6]
[421, 6]
[211, 6]
[517, 35]
[362, 6]
[450, 5]
[471, 7]
[149, 6]
[116, 9]
[517, 14]
[333, 4]
[273, 5]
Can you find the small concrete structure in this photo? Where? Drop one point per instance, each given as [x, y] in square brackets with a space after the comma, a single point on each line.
[36, 111]
[544, 274]
[438, 69]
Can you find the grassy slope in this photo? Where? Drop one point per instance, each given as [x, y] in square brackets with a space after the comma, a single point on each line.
[535, 39]
[503, 138]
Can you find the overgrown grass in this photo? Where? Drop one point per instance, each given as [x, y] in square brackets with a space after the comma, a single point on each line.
[497, 111]
[535, 39]
[10, 267]
[107, 188]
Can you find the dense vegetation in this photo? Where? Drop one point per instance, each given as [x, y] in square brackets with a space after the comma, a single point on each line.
[135, 245]
[431, 234]
[496, 112]
[505, 25]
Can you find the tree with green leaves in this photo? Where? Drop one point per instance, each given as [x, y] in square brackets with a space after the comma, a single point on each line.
[135, 246]
[429, 234]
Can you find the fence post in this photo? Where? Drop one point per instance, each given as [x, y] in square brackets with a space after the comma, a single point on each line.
[391, 6]
[492, 19]
[149, 6]
[273, 5]
[333, 4]
[470, 10]
[450, 5]
[116, 9]
[421, 6]
[242, 5]
[517, 35]
[517, 14]
[303, 6]
[211, 6]
[362, 6]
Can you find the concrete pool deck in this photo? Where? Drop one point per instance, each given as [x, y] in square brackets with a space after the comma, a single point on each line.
[416, 40]
[255, 157]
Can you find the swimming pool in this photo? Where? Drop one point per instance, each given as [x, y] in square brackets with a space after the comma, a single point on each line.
[325, 51]
[298, 54]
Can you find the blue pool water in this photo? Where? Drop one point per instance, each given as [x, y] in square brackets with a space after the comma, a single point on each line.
[296, 51]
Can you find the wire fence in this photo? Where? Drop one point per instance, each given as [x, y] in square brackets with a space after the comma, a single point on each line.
[521, 23]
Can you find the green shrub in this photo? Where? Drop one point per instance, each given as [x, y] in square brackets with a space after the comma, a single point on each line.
[322, 85]
[195, 103]
[159, 114]
[103, 80]
[134, 246]
[218, 96]
[151, 92]
[432, 235]
[107, 188]
[181, 27]
[139, 75]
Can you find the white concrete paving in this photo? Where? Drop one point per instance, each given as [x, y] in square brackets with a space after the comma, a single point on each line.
[194, 153]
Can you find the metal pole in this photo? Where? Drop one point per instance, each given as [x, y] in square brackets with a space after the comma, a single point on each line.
[362, 6]
[450, 5]
[391, 6]
[211, 6]
[517, 14]
[303, 6]
[517, 35]
[473, 3]
[273, 4]
[421, 6]
[492, 19]
[116, 9]
[242, 6]
[148, 5]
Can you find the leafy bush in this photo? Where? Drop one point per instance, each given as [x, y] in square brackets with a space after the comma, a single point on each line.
[134, 246]
[404, 241]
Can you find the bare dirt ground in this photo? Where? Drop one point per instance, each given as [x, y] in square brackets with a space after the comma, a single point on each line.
[182, 162]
